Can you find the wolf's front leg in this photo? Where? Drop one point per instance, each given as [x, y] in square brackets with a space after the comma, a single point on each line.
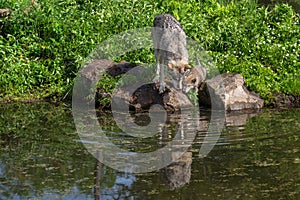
[156, 78]
[162, 83]
[176, 79]
[162, 87]
[180, 82]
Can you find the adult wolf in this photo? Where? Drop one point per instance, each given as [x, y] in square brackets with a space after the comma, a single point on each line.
[170, 50]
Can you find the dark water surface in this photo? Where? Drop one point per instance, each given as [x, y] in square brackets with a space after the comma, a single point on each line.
[256, 157]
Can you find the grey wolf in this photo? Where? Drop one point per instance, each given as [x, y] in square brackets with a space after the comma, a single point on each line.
[170, 50]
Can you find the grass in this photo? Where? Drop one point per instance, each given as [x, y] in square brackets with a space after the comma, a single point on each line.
[41, 51]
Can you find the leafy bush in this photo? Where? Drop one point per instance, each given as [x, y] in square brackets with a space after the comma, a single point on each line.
[41, 51]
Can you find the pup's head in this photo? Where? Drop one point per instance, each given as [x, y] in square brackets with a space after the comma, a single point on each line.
[193, 78]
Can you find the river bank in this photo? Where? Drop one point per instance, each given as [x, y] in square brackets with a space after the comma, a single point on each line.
[42, 50]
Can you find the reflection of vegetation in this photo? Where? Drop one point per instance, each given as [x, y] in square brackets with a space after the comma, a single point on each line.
[136, 144]
[257, 161]
[39, 153]
[39, 156]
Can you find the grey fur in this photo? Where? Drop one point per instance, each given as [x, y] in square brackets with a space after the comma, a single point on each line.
[169, 41]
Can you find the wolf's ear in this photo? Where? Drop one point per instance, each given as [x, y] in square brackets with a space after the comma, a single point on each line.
[197, 60]
[187, 66]
[204, 73]
[171, 66]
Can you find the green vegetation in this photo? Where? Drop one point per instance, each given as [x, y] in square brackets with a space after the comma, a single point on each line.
[41, 51]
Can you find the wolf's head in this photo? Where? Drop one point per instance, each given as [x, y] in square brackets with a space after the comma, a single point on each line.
[194, 77]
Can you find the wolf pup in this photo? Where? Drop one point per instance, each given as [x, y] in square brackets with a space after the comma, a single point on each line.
[170, 50]
[194, 78]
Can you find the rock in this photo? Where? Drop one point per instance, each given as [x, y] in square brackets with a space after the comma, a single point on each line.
[91, 73]
[281, 100]
[223, 91]
[148, 95]
[4, 12]
[93, 70]
[141, 99]
[120, 68]
[227, 91]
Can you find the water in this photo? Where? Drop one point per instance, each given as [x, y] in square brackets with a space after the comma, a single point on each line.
[42, 157]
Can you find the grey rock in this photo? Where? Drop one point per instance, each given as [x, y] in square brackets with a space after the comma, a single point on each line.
[281, 100]
[141, 99]
[228, 91]
[225, 91]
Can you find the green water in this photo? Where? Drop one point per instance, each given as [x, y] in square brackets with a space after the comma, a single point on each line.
[256, 157]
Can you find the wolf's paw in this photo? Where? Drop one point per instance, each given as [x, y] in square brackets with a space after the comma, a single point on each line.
[156, 79]
[162, 87]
